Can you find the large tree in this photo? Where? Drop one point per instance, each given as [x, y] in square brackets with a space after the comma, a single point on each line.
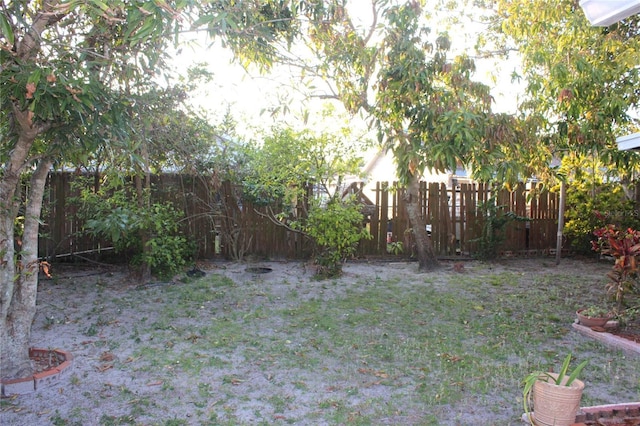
[65, 71]
[581, 82]
[426, 107]
[56, 59]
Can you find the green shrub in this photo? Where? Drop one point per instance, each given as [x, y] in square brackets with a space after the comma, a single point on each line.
[115, 216]
[494, 222]
[591, 207]
[337, 229]
[168, 250]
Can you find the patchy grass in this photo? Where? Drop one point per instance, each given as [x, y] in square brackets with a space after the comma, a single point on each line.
[381, 345]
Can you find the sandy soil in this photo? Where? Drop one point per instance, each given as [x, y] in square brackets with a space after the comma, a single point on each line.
[81, 298]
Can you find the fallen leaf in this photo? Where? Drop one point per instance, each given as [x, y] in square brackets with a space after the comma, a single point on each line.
[107, 356]
[451, 358]
[157, 383]
[46, 268]
[105, 367]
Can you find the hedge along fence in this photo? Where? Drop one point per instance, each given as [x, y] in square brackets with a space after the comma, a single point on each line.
[221, 223]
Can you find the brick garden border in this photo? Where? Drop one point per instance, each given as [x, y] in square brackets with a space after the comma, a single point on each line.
[42, 379]
[590, 415]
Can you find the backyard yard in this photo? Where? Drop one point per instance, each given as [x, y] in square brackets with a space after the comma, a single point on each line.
[266, 343]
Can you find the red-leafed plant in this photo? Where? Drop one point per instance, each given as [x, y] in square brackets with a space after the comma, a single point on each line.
[624, 246]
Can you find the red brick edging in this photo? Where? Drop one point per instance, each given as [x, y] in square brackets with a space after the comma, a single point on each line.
[42, 379]
[588, 415]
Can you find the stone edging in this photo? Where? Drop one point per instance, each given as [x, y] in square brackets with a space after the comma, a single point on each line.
[608, 338]
[42, 379]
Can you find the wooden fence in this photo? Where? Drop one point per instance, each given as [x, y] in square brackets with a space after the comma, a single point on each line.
[456, 217]
[220, 222]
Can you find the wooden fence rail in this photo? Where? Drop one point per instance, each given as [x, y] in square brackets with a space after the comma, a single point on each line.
[221, 223]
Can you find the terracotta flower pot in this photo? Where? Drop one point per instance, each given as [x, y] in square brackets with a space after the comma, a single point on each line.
[556, 405]
[592, 321]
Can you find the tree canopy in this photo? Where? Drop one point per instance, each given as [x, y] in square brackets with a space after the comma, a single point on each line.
[581, 81]
[425, 105]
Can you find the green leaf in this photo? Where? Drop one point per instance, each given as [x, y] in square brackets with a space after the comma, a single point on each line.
[100, 4]
[576, 372]
[563, 369]
[35, 76]
[145, 30]
[5, 28]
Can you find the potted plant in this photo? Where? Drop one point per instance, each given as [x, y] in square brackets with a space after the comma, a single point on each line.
[593, 316]
[555, 396]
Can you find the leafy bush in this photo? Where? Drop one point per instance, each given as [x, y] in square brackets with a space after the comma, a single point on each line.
[113, 215]
[591, 207]
[168, 250]
[298, 178]
[624, 246]
[336, 229]
[495, 220]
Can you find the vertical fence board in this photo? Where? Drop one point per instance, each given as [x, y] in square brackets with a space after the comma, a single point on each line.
[384, 217]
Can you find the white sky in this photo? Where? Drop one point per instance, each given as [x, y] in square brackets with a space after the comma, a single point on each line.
[250, 96]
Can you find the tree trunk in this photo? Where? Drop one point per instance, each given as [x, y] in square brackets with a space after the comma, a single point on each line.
[14, 349]
[15, 323]
[427, 260]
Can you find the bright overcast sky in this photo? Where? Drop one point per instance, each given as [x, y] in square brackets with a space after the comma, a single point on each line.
[250, 96]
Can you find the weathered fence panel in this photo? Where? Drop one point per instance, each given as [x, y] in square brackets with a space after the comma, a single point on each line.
[220, 222]
[456, 217]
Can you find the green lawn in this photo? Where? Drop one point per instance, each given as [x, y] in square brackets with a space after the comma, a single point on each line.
[381, 345]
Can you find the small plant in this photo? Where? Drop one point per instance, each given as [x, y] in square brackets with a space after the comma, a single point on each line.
[494, 219]
[564, 378]
[336, 229]
[75, 380]
[395, 247]
[624, 247]
[628, 315]
[595, 311]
